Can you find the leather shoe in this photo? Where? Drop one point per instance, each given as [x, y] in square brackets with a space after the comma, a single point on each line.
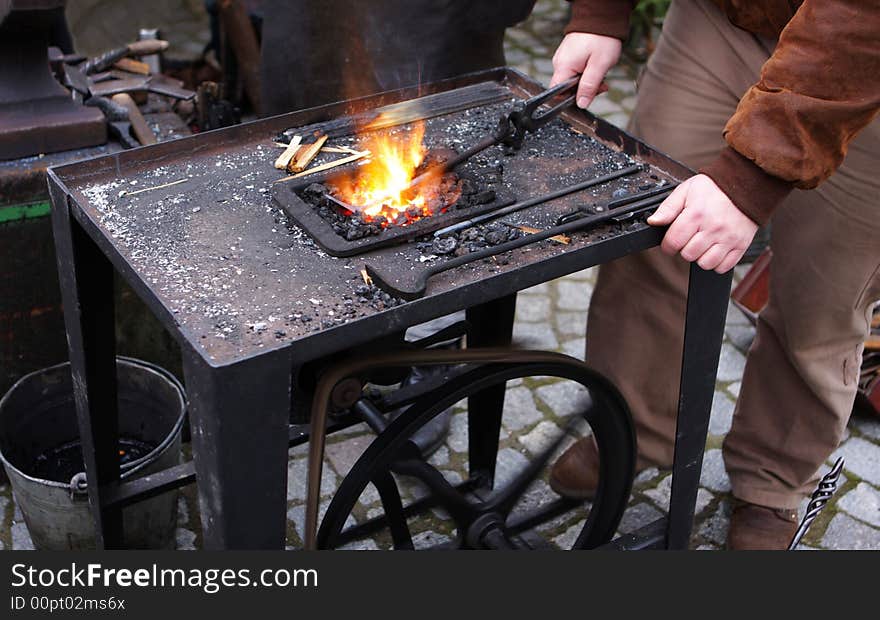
[575, 474]
[754, 528]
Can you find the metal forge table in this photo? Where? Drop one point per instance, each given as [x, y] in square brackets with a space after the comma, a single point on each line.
[252, 302]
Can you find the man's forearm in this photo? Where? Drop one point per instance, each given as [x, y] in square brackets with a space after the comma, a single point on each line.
[606, 17]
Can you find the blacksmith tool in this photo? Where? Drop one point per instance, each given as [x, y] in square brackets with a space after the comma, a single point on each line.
[139, 125]
[663, 191]
[416, 289]
[525, 204]
[138, 48]
[821, 496]
[123, 119]
[526, 116]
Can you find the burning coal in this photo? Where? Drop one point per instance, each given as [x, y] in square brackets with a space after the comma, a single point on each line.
[381, 190]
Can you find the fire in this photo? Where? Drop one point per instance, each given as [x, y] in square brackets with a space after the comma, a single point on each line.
[381, 187]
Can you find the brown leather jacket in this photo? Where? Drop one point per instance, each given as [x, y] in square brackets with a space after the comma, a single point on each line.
[820, 87]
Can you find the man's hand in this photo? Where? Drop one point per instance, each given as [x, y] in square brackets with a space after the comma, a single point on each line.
[587, 55]
[706, 226]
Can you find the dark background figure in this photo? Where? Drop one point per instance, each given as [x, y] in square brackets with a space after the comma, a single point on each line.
[320, 52]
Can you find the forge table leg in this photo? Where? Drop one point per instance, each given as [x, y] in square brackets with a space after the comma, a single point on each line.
[239, 420]
[86, 278]
[491, 326]
[708, 293]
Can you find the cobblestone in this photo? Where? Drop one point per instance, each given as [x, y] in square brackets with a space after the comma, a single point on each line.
[539, 493]
[731, 364]
[714, 476]
[510, 463]
[844, 532]
[540, 437]
[457, 440]
[662, 492]
[344, 454]
[573, 295]
[741, 336]
[869, 428]
[638, 516]
[533, 308]
[535, 336]
[564, 398]
[861, 459]
[571, 324]
[714, 529]
[722, 414]
[575, 348]
[427, 539]
[519, 409]
[567, 539]
[296, 480]
[863, 502]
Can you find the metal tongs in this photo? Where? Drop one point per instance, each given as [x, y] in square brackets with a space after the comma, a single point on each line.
[525, 117]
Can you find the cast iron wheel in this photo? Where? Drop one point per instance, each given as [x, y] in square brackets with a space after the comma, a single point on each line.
[485, 519]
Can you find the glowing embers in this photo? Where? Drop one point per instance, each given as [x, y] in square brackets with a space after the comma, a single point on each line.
[381, 192]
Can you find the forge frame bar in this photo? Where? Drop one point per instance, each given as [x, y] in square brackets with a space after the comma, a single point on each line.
[240, 407]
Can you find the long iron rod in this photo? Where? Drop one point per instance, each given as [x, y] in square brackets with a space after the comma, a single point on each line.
[620, 202]
[525, 204]
[573, 226]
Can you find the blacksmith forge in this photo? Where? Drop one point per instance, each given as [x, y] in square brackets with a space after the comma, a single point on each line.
[278, 346]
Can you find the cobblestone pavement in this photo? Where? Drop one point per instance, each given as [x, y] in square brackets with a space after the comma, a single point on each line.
[552, 317]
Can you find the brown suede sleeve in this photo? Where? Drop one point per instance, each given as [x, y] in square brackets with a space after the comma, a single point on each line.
[819, 88]
[606, 17]
[752, 190]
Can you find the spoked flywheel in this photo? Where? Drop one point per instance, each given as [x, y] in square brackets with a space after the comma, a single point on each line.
[485, 517]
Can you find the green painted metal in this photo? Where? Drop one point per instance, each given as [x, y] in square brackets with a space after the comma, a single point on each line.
[12, 213]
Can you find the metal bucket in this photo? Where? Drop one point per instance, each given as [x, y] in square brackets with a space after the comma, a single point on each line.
[38, 415]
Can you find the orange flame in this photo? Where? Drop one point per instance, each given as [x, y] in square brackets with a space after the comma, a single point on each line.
[381, 187]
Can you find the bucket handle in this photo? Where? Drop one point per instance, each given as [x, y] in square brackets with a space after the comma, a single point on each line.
[79, 487]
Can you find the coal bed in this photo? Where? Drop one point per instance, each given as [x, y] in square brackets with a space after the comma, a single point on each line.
[196, 219]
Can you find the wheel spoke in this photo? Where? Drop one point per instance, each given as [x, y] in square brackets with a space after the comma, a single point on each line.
[446, 495]
[393, 507]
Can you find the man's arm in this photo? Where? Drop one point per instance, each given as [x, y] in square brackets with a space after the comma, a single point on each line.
[820, 87]
[592, 44]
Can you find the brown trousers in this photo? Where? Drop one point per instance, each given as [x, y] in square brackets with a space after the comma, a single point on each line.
[800, 376]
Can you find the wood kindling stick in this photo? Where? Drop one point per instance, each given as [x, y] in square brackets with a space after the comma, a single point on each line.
[149, 189]
[133, 66]
[304, 156]
[327, 166]
[558, 238]
[340, 149]
[289, 151]
[325, 149]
